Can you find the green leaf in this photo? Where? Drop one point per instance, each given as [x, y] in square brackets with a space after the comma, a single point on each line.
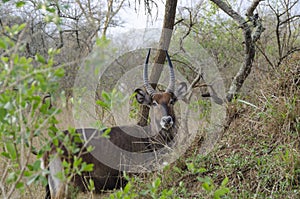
[23, 60]
[40, 58]
[65, 164]
[32, 179]
[201, 170]
[224, 182]
[102, 104]
[55, 141]
[90, 148]
[37, 165]
[87, 167]
[220, 192]
[127, 187]
[3, 113]
[11, 177]
[3, 44]
[27, 173]
[77, 161]
[106, 132]
[10, 147]
[16, 59]
[156, 183]
[20, 4]
[5, 59]
[105, 96]
[52, 10]
[20, 185]
[190, 166]
[206, 186]
[59, 72]
[91, 185]
[5, 154]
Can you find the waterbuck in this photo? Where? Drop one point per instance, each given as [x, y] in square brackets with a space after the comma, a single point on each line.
[107, 173]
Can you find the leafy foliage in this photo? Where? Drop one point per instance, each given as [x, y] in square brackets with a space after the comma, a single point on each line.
[257, 158]
[24, 109]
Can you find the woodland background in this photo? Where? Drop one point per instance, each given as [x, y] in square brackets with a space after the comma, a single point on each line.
[255, 45]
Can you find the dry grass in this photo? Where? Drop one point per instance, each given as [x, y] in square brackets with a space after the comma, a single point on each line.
[259, 153]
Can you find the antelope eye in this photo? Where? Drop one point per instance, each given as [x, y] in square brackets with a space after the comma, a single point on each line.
[154, 103]
[172, 101]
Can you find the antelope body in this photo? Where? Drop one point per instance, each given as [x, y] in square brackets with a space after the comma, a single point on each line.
[160, 132]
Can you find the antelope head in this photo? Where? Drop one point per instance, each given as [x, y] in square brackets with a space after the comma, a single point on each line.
[162, 103]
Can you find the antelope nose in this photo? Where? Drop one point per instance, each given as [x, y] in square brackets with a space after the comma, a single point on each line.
[166, 122]
[167, 119]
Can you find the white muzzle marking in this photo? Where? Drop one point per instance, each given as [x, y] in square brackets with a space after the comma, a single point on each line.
[166, 122]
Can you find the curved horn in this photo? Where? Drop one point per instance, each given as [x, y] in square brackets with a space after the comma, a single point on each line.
[171, 86]
[148, 87]
[44, 100]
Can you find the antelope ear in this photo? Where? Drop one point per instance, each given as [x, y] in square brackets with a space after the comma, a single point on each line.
[142, 96]
[181, 90]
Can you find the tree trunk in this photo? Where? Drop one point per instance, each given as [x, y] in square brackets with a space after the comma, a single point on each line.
[249, 53]
[164, 43]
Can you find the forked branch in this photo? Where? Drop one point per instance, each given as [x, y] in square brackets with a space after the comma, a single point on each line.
[249, 40]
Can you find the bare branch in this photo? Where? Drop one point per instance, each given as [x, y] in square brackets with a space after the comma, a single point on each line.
[288, 8]
[249, 42]
[265, 56]
[295, 17]
[253, 6]
[110, 14]
[288, 54]
[233, 14]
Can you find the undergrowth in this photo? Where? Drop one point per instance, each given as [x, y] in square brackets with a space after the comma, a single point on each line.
[257, 157]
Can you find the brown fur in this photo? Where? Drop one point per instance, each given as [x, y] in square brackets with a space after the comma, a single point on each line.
[104, 177]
